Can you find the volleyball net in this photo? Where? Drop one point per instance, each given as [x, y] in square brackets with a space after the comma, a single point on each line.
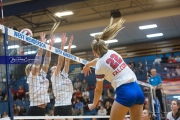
[18, 50]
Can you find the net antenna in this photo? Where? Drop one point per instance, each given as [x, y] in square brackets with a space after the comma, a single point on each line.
[2, 22]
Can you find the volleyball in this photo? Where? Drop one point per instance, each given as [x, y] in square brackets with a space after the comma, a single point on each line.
[27, 32]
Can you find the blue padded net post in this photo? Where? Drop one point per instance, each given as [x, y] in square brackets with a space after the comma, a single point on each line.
[8, 83]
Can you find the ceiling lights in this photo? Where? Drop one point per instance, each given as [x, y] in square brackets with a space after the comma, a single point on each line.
[150, 27]
[65, 13]
[13, 46]
[147, 26]
[111, 41]
[29, 52]
[176, 96]
[57, 40]
[93, 34]
[154, 35]
[72, 46]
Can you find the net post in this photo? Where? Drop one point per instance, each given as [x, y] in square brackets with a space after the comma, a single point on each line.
[8, 82]
[152, 98]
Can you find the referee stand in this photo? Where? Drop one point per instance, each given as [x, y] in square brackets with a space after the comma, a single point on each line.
[157, 109]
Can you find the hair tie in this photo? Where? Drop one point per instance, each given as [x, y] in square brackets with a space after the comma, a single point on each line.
[96, 37]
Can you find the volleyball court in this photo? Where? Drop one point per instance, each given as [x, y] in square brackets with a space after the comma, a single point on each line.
[74, 91]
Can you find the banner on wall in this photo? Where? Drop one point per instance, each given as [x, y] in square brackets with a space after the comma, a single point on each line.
[171, 87]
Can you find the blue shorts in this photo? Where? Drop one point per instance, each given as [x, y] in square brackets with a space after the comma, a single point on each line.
[129, 94]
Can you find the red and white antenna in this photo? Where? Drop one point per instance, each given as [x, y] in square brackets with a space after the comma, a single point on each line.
[2, 13]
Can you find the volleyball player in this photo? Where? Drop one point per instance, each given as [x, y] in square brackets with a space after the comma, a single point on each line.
[110, 66]
[61, 84]
[37, 82]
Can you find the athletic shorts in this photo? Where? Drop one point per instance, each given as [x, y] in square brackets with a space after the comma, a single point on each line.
[35, 111]
[63, 110]
[129, 94]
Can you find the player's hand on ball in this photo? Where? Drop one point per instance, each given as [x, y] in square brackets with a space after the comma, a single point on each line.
[91, 106]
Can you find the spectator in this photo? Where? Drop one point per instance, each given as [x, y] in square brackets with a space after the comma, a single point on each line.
[108, 96]
[84, 85]
[13, 79]
[156, 81]
[98, 105]
[102, 112]
[74, 100]
[132, 67]
[51, 96]
[78, 94]
[13, 93]
[2, 95]
[20, 93]
[178, 70]
[164, 59]
[157, 60]
[85, 93]
[175, 111]
[108, 107]
[132, 63]
[77, 84]
[18, 51]
[173, 73]
[22, 111]
[147, 115]
[171, 58]
[73, 112]
[4, 115]
[140, 68]
[79, 107]
[177, 58]
[85, 102]
[74, 90]
[16, 110]
[146, 105]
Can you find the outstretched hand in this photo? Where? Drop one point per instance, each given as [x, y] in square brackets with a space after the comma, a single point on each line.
[86, 70]
[91, 106]
[52, 40]
[71, 40]
[63, 39]
[42, 37]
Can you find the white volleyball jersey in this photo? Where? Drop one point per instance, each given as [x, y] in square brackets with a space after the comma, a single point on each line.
[38, 87]
[62, 88]
[112, 67]
[171, 117]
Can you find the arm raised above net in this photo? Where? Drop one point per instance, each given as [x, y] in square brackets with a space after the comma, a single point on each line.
[61, 58]
[47, 58]
[38, 58]
[67, 61]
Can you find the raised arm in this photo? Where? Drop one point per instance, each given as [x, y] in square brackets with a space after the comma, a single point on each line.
[67, 61]
[47, 58]
[38, 58]
[61, 58]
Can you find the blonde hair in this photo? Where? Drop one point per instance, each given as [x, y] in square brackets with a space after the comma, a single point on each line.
[98, 45]
[28, 69]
